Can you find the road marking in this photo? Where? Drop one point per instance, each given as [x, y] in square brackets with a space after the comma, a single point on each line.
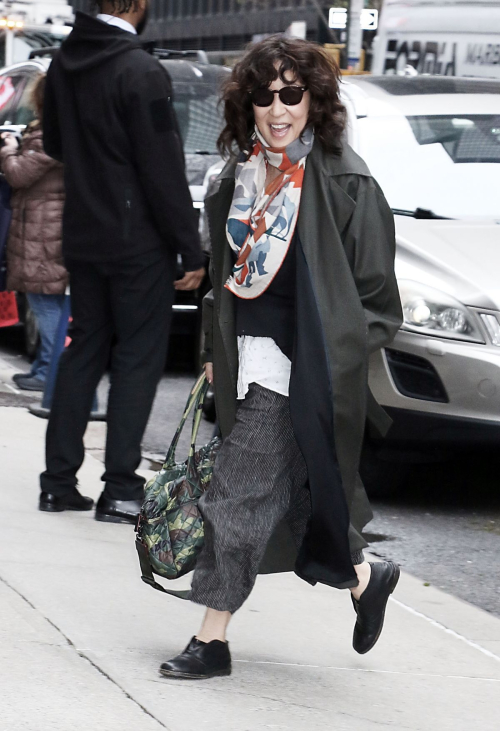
[11, 388]
[448, 631]
[366, 670]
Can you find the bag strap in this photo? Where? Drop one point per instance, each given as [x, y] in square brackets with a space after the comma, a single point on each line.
[197, 414]
[193, 400]
[198, 408]
[147, 573]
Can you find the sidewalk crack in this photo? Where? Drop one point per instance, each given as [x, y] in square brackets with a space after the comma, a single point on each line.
[81, 654]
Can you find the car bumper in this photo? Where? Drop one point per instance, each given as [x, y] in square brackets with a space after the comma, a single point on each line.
[438, 390]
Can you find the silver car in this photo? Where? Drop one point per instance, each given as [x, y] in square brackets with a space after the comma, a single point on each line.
[433, 144]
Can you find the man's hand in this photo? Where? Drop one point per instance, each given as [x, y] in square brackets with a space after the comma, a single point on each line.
[209, 372]
[190, 280]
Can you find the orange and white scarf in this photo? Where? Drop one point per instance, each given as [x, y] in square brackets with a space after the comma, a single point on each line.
[262, 219]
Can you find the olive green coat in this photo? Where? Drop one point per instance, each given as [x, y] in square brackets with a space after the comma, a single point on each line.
[346, 231]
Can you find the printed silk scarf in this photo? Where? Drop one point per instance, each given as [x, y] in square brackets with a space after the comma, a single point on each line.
[262, 220]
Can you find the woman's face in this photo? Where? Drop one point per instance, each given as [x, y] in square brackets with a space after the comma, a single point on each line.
[280, 124]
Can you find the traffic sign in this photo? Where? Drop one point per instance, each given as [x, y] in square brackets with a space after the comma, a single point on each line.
[337, 18]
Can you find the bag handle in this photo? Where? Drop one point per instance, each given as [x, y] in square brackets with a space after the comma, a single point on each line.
[195, 400]
[147, 573]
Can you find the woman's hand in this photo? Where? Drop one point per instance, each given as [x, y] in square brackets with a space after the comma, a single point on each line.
[9, 141]
[209, 372]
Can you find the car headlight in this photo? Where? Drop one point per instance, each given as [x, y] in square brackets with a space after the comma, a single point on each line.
[431, 312]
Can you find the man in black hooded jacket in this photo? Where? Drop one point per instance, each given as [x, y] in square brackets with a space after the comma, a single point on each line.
[108, 116]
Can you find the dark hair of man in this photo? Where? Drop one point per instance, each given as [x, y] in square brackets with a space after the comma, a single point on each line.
[310, 66]
[118, 6]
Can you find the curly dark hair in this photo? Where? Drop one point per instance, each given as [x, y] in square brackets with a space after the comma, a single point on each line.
[260, 66]
[119, 6]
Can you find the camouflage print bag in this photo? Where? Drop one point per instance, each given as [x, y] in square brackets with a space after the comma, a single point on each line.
[170, 526]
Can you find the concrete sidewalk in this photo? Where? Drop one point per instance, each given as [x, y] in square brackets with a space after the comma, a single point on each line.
[81, 637]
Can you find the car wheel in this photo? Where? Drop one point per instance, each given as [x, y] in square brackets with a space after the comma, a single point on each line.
[31, 333]
[381, 476]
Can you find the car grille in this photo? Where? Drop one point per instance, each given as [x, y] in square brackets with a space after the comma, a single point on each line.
[415, 377]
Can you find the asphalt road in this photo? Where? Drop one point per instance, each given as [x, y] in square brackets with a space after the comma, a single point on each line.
[443, 526]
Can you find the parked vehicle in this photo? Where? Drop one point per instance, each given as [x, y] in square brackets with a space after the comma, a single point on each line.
[433, 144]
[436, 37]
[196, 94]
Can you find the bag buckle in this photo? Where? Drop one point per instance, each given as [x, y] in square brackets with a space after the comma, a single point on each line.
[138, 523]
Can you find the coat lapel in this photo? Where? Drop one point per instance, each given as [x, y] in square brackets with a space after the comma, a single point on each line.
[217, 207]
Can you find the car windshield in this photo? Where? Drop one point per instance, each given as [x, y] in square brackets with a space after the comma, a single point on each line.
[449, 164]
[199, 117]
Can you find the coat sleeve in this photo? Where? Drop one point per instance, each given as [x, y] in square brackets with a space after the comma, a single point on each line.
[370, 241]
[22, 169]
[159, 160]
[52, 141]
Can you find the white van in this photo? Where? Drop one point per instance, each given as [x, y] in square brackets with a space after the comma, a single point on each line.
[460, 38]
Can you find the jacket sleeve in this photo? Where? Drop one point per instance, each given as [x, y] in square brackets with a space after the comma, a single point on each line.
[52, 141]
[22, 169]
[370, 237]
[159, 160]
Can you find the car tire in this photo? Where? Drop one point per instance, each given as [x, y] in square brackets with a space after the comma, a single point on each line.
[31, 332]
[382, 477]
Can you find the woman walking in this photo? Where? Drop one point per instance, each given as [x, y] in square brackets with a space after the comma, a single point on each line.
[34, 247]
[303, 291]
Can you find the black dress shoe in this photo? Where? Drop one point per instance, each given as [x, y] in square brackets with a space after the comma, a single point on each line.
[30, 383]
[371, 605]
[17, 376]
[117, 511]
[72, 501]
[199, 660]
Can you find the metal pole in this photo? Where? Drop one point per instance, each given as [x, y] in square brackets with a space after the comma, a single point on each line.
[320, 8]
[9, 46]
[354, 33]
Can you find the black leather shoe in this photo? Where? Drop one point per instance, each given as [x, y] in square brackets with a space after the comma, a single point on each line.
[199, 660]
[73, 501]
[371, 605]
[117, 511]
[30, 383]
[17, 376]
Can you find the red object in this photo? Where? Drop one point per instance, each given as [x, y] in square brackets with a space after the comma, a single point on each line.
[8, 309]
[68, 339]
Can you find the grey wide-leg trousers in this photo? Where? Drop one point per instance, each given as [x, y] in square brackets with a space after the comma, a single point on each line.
[259, 479]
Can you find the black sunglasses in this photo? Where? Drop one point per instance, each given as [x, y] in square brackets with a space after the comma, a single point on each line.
[289, 95]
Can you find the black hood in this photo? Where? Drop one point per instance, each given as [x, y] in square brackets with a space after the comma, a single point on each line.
[92, 43]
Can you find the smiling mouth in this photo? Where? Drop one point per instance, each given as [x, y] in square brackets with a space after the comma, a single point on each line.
[279, 130]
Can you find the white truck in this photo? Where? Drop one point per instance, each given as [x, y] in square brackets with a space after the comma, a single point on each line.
[453, 38]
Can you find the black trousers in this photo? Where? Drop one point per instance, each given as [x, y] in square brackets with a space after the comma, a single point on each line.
[121, 315]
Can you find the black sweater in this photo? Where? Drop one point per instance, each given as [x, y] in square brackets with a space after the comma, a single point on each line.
[109, 118]
[272, 314]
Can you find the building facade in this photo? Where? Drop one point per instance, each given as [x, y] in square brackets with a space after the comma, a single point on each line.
[223, 25]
